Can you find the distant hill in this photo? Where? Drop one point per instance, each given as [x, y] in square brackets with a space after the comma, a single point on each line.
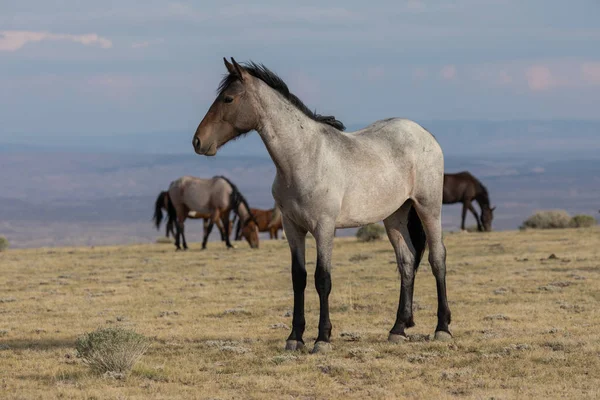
[102, 190]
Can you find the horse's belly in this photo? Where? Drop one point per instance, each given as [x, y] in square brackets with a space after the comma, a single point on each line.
[369, 207]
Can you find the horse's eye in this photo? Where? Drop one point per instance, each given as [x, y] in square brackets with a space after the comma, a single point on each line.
[228, 99]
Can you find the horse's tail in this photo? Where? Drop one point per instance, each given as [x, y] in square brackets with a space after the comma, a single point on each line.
[417, 235]
[158, 205]
[171, 212]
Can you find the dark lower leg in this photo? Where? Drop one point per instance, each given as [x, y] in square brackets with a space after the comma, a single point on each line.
[206, 233]
[404, 316]
[177, 235]
[323, 285]
[474, 212]
[299, 283]
[464, 216]
[183, 236]
[443, 312]
[225, 233]
[437, 259]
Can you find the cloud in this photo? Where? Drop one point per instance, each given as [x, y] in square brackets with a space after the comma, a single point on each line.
[448, 72]
[14, 40]
[591, 72]
[539, 77]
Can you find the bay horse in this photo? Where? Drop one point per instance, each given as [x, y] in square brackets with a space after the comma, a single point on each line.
[217, 197]
[266, 222]
[463, 187]
[392, 170]
[164, 203]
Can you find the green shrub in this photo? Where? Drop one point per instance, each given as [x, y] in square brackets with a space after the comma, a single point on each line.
[3, 243]
[112, 350]
[583, 221]
[370, 232]
[551, 219]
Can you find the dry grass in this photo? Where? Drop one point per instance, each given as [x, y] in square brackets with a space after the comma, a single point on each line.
[526, 325]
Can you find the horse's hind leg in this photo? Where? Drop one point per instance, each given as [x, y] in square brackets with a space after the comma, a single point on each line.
[430, 215]
[182, 230]
[406, 235]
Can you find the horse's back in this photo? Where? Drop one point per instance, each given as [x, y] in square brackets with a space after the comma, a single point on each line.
[459, 187]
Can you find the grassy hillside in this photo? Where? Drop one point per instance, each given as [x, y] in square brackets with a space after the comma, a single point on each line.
[525, 323]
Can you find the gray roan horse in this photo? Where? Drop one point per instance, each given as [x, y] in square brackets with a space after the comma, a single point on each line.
[392, 170]
[217, 197]
[164, 202]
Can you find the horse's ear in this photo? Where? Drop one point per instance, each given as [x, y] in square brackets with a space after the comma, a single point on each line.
[493, 208]
[229, 66]
[240, 71]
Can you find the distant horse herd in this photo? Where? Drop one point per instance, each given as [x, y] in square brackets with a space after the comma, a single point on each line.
[326, 179]
[461, 188]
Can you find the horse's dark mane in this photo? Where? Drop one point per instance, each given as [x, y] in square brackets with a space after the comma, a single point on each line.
[275, 82]
[236, 198]
[482, 196]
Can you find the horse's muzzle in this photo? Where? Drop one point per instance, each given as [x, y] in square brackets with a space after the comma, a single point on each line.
[197, 144]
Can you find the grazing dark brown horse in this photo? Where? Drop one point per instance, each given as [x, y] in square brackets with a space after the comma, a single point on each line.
[463, 187]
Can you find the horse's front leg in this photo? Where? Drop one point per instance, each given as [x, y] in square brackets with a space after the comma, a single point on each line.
[464, 216]
[296, 240]
[226, 226]
[474, 212]
[324, 238]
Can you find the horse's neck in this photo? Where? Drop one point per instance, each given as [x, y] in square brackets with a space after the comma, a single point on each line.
[291, 137]
[482, 200]
[242, 211]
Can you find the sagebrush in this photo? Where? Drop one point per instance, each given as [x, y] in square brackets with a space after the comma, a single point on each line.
[583, 221]
[551, 219]
[112, 350]
[370, 232]
[3, 243]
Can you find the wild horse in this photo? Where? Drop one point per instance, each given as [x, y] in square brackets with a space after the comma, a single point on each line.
[216, 197]
[463, 188]
[392, 170]
[164, 203]
[266, 221]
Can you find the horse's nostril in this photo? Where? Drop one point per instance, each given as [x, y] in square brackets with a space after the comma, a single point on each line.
[196, 142]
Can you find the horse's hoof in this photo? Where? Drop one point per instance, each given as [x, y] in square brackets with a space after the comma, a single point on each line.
[397, 338]
[442, 336]
[292, 345]
[321, 347]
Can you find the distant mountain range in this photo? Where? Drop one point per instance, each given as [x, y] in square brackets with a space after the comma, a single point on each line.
[101, 189]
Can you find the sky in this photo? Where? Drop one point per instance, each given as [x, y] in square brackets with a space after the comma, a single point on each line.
[110, 67]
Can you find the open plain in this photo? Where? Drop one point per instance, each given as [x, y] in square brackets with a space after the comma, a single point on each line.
[525, 321]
